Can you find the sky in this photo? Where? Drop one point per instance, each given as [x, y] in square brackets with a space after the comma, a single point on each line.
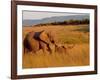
[30, 15]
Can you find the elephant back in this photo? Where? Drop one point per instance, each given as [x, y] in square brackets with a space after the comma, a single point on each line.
[30, 42]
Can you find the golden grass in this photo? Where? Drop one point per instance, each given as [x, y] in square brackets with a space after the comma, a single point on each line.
[78, 56]
[73, 34]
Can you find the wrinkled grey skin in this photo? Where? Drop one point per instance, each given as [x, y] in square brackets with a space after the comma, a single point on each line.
[35, 41]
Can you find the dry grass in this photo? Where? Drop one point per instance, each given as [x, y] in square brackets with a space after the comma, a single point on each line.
[73, 34]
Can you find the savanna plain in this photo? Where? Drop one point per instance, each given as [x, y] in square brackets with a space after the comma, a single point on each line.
[77, 35]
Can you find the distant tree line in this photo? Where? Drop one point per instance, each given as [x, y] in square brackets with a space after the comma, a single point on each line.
[66, 22]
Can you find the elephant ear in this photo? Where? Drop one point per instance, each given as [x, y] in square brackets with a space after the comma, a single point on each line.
[44, 37]
[52, 37]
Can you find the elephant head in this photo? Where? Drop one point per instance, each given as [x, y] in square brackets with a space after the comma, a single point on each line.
[44, 37]
[48, 39]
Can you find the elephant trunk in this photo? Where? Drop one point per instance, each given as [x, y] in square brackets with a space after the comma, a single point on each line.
[52, 48]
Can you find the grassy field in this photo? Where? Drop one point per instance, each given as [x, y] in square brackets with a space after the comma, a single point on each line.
[64, 34]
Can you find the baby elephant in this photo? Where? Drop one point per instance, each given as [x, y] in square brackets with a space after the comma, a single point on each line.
[60, 49]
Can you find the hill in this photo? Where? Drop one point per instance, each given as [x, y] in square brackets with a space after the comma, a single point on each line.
[54, 19]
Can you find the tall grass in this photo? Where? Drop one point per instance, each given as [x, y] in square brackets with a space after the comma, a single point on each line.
[71, 34]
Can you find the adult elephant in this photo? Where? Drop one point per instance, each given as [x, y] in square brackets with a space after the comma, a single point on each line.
[35, 41]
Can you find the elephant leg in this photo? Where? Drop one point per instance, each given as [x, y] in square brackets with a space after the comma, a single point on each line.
[52, 48]
[44, 47]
